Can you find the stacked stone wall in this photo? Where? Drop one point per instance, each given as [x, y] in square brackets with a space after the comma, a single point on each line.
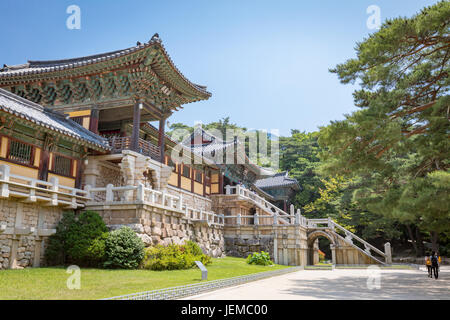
[158, 226]
[21, 215]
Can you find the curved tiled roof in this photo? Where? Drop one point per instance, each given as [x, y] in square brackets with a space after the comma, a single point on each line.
[281, 179]
[38, 67]
[47, 118]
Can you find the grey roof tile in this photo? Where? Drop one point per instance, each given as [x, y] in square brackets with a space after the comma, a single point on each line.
[40, 115]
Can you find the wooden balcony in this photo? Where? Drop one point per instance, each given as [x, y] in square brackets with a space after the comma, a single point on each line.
[145, 147]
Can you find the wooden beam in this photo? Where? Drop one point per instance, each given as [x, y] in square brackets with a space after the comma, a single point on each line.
[161, 138]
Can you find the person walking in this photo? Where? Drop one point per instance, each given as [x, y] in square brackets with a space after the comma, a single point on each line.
[428, 264]
[435, 264]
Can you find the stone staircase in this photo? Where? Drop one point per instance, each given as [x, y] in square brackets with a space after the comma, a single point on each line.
[333, 229]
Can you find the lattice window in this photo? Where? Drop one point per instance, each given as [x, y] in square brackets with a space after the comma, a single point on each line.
[20, 152]
[78, 120]
[62, 166]
[186, 171]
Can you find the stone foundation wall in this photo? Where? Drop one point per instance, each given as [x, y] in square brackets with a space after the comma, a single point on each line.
[286, 244]
[21, 249]
[192, 200]
[241, 247]
[158, 226]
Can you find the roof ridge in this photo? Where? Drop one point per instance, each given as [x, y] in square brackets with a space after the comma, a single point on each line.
[19, 99]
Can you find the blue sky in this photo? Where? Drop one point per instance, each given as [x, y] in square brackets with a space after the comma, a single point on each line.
[265, 62]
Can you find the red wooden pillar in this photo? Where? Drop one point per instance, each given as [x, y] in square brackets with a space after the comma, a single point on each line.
[93, 120]
[80, 167]
[43, 164]
[161, 138]
[136, 126]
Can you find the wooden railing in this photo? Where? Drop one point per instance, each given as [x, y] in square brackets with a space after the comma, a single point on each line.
[111, 195]
[124, 143]
[33, 190]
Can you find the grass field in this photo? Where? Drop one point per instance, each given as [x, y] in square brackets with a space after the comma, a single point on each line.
[50, 283]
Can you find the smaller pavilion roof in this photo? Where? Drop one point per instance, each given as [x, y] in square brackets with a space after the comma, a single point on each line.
[278, 180]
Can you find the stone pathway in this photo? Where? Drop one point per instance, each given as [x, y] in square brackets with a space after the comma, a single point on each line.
[339, 284]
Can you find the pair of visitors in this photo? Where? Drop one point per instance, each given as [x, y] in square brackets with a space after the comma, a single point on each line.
[432, 263]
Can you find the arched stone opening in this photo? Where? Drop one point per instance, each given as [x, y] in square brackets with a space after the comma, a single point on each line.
[313, 246]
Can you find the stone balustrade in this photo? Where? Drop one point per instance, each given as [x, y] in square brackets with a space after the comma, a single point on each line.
[110, 196]
[32, 190]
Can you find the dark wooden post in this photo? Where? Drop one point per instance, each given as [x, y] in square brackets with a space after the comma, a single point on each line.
[80, 169]
[93, 120]
[192, 179]
[136, 126]
[179, 175]
[161, 138]
[220, 182]
[204, 181]
[43, 165]
[45, 159]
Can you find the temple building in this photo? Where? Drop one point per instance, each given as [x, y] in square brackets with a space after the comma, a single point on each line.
[229, 156]
[76, 134]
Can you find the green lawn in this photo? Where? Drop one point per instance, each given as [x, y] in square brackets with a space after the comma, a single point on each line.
[50, 283]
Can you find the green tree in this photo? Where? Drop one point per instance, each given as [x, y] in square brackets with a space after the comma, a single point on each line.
[299, 154]
[400, 134]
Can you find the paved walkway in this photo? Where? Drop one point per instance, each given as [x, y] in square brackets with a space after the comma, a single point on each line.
[339, 284]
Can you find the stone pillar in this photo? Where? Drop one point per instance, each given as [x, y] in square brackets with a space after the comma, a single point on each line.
[275, 247]
[37, 252]
[388, 253]
[14, 247]
[333, 254]
[16, 238]
[91, 172]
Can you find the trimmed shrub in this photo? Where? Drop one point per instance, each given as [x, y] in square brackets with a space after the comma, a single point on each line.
[259, 258]
[84, 240]
[123, 249]
[78, 240]
[174, 257]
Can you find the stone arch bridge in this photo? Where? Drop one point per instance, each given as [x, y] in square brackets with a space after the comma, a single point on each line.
[254, 224]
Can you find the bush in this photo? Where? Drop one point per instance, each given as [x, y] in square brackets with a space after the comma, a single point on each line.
[259, 258]
[174, 257]
[123, 249]
[78, 241]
